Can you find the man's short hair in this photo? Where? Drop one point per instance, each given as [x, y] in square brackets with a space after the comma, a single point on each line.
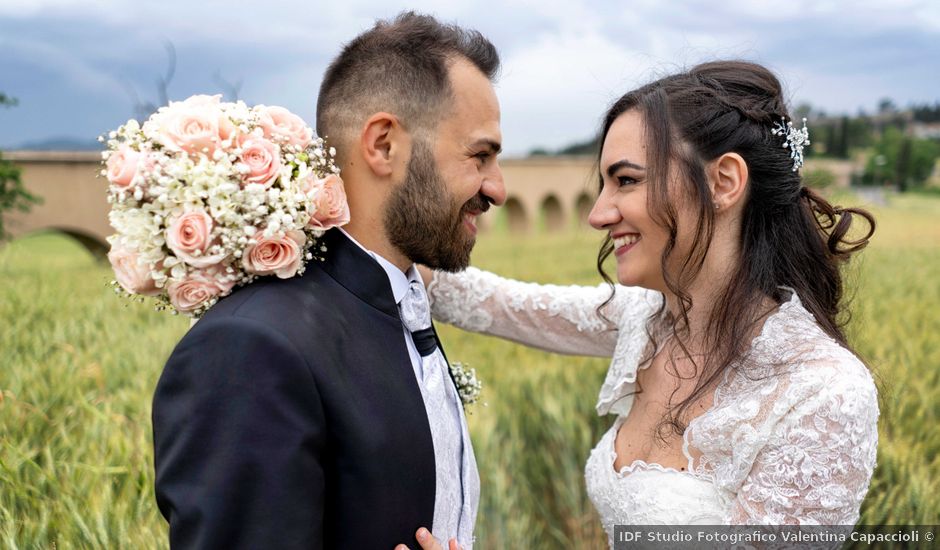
[401, 67]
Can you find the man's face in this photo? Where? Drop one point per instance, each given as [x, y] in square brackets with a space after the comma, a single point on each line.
[431, 216]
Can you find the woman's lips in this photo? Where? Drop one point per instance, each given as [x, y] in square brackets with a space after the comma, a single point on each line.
[624, 242]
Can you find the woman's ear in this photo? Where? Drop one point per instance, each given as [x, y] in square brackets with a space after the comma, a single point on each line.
[384, 143]
[729, 180]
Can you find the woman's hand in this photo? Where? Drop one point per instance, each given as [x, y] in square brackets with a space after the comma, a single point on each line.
[428, 542]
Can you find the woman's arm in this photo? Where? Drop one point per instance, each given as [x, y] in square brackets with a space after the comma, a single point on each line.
[561, 319]
[817, 466]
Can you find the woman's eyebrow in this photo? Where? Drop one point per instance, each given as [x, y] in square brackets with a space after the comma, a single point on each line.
[612, 169]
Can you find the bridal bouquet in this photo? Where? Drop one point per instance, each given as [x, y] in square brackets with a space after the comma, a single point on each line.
[207, 195]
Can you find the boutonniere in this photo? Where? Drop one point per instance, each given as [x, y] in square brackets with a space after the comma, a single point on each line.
[468, 386]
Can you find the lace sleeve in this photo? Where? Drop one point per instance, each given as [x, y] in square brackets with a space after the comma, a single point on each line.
[818, 461]
[561, 319]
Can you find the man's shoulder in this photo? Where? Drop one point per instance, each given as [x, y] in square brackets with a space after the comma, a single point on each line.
[278, 301]
[293, 309]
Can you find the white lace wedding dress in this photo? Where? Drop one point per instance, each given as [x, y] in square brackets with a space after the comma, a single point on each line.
[792, 441]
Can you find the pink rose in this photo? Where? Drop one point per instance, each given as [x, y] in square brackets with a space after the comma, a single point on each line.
[281, 125]
[261, 157]
[213, 103]
[189, 236]
[226, 128]
[329, 205]
[275, 256]
[197, 288]
[131, 274]
[122, 166]
[202, 100]
[217, 273]
[310, 186]
[192, 127]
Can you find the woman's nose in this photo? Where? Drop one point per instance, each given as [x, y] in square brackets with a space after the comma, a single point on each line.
[604, 213]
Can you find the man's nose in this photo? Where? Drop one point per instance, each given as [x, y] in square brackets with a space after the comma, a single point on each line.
[493, 186]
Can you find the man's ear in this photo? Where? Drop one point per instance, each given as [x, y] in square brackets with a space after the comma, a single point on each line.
[729, 176]
[384, 143]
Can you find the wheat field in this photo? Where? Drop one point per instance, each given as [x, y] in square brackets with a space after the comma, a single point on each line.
[79, 367]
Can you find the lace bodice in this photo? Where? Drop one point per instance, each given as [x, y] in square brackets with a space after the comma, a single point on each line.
[789, 439]
[649, 494]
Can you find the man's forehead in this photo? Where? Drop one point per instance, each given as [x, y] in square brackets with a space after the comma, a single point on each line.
[473, 92]
[468, 82]
[472, 129]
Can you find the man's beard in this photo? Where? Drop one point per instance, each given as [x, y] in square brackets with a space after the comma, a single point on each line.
[422, 221]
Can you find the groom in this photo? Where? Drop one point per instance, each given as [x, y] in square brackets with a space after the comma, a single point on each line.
[318, 411]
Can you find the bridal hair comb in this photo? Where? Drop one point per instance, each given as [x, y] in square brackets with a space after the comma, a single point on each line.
[794, 139]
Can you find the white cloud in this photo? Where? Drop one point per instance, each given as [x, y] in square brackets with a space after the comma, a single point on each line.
[555, 91]
[77, 72]
[564, 61]
[32, 8]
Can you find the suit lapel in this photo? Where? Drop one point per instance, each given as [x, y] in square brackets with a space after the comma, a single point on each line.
[359, 273]
[351, 267]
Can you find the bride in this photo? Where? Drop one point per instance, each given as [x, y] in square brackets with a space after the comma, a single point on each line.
[736, 395]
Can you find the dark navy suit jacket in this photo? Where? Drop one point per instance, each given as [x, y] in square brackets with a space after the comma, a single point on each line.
[290, 417]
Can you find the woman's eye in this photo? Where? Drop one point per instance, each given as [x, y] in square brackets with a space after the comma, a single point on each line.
[625, 180]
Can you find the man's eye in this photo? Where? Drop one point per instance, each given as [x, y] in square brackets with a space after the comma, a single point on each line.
[483, 156]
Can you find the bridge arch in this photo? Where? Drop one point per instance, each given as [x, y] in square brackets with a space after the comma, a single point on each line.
[515, 215]
[74, 197]
[94, 244]
[552, 214]
[582, 207]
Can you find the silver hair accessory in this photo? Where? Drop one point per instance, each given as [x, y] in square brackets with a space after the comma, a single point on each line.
[794, 139]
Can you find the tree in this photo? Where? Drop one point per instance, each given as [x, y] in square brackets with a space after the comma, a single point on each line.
[13, 196]
[902, 167]
[858, 132]
[901, 160]
[926, 112]
[886, 105]
[842, 145]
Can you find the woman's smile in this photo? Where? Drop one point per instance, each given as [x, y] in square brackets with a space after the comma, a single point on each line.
[624, 242]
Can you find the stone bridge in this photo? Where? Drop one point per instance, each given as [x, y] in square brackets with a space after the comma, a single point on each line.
[543, 194]
[73, 197]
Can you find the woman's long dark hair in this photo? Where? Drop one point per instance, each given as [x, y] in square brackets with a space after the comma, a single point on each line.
[790, 235]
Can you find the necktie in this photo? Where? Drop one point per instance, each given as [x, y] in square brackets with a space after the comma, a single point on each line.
[416, 316]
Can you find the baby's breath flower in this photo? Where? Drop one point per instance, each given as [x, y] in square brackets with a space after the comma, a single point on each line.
[468, 386]
[170, 183]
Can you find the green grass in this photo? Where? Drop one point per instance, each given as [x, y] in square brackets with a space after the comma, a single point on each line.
[79, 366]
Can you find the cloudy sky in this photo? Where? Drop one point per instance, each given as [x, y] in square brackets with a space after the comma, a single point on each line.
[75, 65]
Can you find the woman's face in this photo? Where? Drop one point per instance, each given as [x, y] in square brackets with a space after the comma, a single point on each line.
[621, 208]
